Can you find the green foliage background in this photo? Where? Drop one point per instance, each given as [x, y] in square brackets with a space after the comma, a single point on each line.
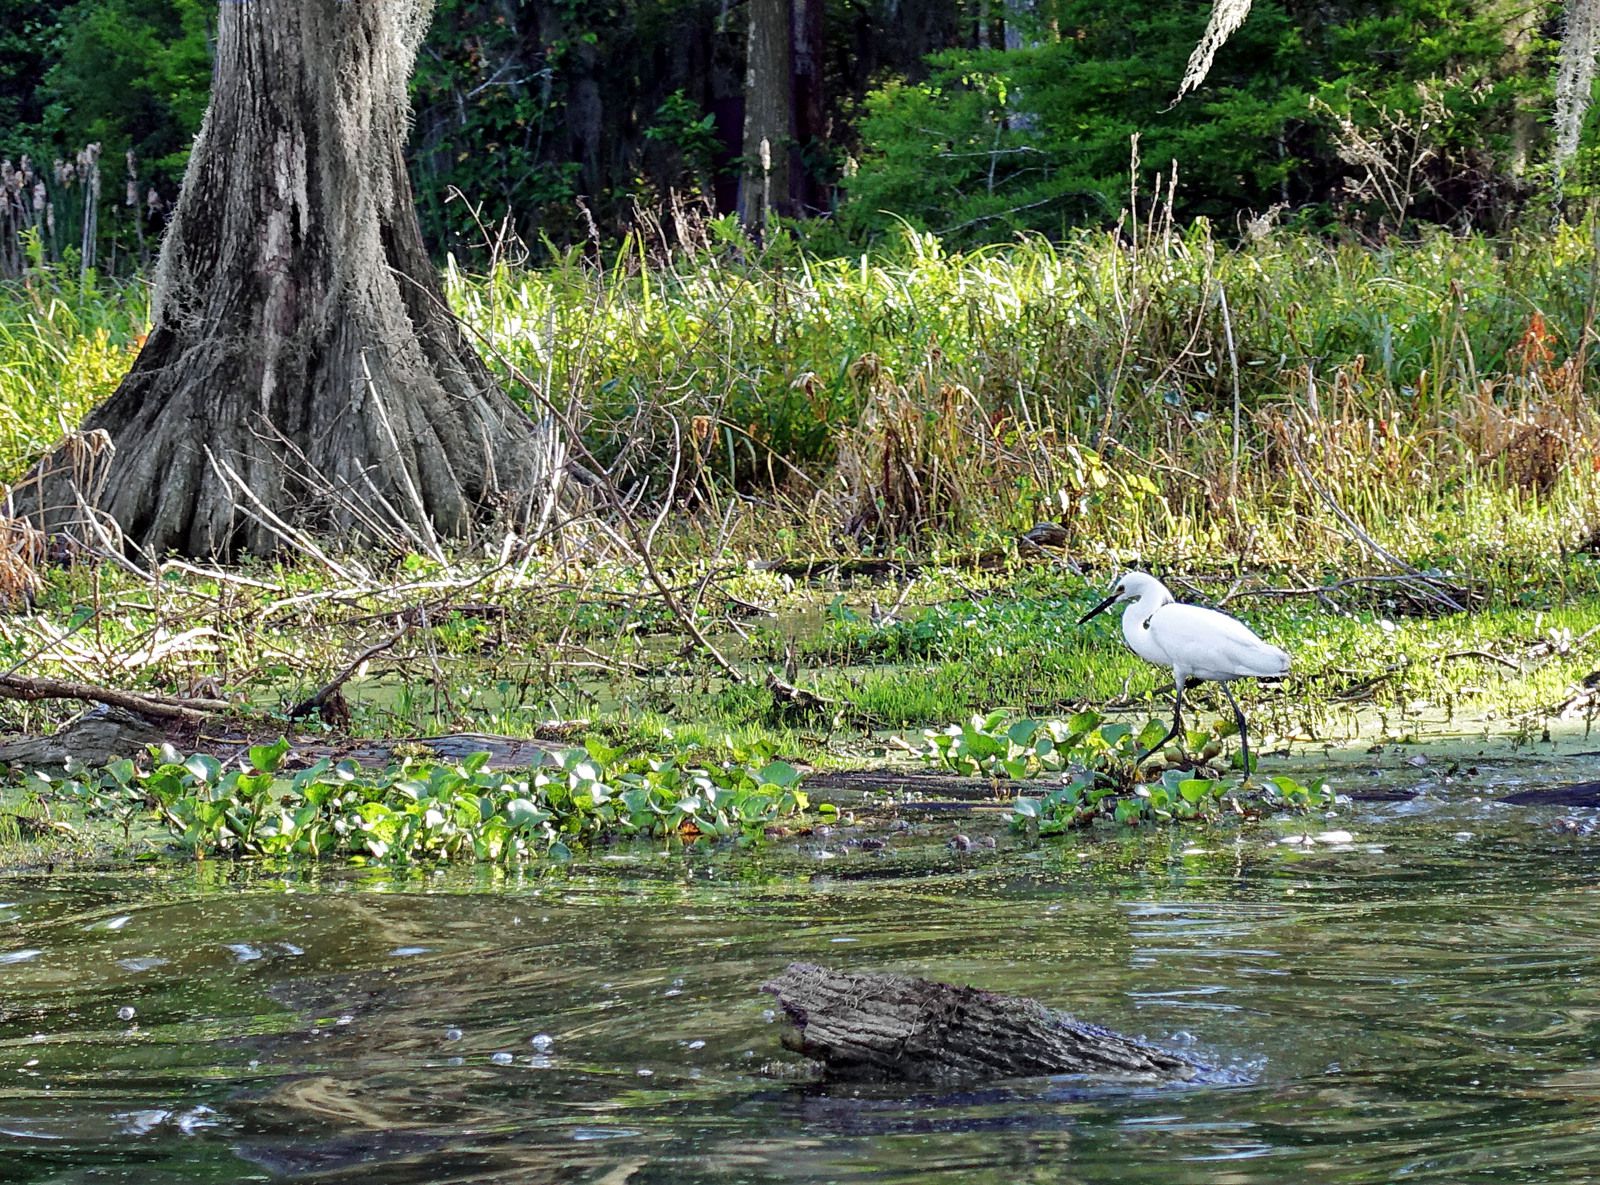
[556, 119]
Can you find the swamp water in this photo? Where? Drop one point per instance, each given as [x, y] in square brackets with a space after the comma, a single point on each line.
[1420, 1004]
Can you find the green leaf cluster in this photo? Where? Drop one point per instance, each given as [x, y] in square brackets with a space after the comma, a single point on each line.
[426, 811]
[1095, 759]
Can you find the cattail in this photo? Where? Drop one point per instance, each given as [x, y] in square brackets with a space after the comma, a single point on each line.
[39, 202]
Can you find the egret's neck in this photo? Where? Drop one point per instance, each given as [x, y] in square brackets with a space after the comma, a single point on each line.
[1145, 604]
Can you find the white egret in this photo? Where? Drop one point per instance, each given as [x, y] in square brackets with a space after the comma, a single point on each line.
[1195, 643]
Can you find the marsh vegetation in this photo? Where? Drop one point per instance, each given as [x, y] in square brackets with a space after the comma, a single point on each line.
[831, 474]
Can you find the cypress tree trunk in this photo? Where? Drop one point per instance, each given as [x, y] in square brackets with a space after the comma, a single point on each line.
[768, 112]
[299, 335]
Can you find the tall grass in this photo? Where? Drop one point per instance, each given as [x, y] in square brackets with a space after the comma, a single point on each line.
[1173, 398]
[65, 343]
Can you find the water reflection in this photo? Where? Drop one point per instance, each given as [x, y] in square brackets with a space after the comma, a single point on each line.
[1415, 1004]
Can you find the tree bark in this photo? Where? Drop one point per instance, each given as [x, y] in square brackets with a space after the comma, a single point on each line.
[300, 338]
[768, 113]
[876, 1027]
[809, 117]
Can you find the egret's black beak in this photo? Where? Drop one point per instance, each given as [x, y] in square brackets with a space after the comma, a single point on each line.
[1099, 609]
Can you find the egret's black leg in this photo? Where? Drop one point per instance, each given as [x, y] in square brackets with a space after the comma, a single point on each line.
[1244, 734]
[1175, 730]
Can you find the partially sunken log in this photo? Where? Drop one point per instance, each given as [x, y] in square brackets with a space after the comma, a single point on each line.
[101, 734]
[897, 1027]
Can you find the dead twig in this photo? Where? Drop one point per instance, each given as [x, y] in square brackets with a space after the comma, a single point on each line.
[1486, 656]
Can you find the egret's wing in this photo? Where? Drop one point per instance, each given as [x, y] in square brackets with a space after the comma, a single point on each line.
[1212, 645]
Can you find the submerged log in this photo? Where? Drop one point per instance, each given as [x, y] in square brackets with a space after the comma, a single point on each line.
[1576, 794]
[900, 1028]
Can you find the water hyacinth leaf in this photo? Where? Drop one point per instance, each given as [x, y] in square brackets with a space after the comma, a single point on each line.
[203, 767]
[756, 809]
[267, 758]
[1114, 734]
[310, 774]
[253, 784]
[1022, 732]
[520, 813]
[474, 763]
[1151, 734]
[1082, 724]
[780, 774]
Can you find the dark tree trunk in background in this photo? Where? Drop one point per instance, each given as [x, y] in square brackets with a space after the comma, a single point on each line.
[298, 335]
[1519, 29]
[810, 112]
[767, 113]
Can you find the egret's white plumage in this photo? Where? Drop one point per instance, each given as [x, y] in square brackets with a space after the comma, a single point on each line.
[1194, 643]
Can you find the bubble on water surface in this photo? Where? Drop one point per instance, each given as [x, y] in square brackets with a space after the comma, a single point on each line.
[502, 1058]
[541, 1041]
[145, 963]
[126, 1012]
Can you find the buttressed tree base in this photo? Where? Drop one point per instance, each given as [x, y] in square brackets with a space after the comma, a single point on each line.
[302, 365]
